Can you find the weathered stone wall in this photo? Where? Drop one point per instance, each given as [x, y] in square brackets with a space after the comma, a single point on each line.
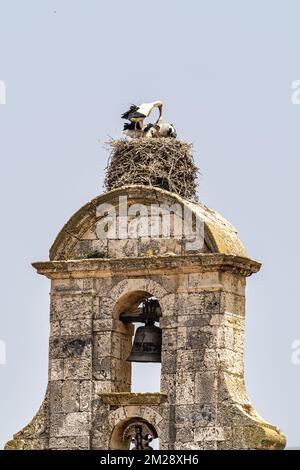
[143, 246]
[202, 298]
[203, 307]
[202, 302]
[142, 238]
[205, 339]
[73, 306]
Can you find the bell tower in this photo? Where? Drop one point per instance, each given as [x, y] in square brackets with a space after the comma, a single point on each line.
[146, 252]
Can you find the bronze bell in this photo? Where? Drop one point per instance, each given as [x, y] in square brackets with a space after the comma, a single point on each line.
[146, 344]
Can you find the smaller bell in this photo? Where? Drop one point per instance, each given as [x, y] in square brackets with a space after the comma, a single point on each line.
[146, 344]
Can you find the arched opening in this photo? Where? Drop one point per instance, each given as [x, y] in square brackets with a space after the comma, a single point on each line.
[134, 434]
[145, 376]
[140, 312]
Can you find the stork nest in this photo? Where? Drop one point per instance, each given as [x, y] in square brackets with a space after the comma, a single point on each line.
[166, 163]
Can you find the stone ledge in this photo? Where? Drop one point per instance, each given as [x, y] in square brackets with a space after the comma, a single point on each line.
[127, 398]
[154, 265]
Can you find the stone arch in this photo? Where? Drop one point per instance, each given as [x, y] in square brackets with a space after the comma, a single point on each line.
[120, 418]
[220, 236]
[130, 292]
[131, 288]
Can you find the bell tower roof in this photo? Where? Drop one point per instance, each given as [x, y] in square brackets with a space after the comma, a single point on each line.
[219, 235]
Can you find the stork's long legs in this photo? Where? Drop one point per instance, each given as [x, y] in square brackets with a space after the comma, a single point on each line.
[138, 129]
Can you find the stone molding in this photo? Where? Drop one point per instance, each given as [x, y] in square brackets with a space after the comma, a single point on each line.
[127, 398]
[153, 265]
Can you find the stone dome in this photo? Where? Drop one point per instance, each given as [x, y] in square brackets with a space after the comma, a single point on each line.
[79, 239]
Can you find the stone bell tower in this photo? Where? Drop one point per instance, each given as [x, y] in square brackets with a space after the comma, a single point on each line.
[102, 282]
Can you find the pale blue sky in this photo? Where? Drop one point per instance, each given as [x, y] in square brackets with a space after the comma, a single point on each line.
[224, 70]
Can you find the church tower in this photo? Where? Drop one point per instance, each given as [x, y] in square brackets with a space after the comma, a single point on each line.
[147, 253]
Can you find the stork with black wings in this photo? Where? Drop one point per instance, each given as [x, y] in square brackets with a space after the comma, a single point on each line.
[137, 114]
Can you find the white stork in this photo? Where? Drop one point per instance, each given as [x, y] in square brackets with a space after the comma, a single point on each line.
[165, 129]
[151, 130]
[133, 129]
[137, 114]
